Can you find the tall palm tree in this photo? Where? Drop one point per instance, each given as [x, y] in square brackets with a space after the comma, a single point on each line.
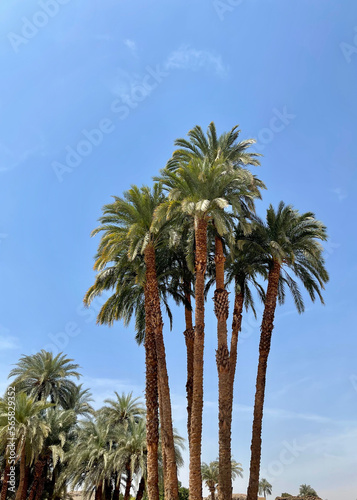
[287, 241]
[225, 147]
[44, 376]
[128, 222]
[265, 488]
[202, 190]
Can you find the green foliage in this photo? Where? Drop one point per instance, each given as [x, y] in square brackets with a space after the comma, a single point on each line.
[286, 495]
[307, 490]
[265, 488]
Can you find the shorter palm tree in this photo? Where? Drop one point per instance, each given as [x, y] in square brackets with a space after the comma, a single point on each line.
[307, 490]
[210, 474]
[265, 488]
[44, 376]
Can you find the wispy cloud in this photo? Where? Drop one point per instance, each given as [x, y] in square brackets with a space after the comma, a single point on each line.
[11, 159]
[340, 193]
[188, 58]
[131, 45]
[7, 341]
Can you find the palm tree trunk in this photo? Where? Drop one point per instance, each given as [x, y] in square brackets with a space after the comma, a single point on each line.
[264, 349]
[141, 489]
[223, 366]
[171, 489]
[99, 492]
[5, 482]
[128, 482]
[38, 481]
[152, 404]
[24, 474]
[213, 493]
[116, 493]
[189, 340]
[195, 483]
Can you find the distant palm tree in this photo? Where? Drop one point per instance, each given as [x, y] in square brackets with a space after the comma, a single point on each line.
[210, 474]
[307, 490]
[287, 240]
[31, 432]
[210, 477]
[44, 376]
[265, 488]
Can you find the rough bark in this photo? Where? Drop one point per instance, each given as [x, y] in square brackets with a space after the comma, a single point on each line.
[128, 481]
[171, 486]
[264, 349]
[38, 480]
[141, 489]
[21, 493]
[5, 482]
[213, 493]
[221, 308]
[152, 404]
[189, 340]
[195, 482]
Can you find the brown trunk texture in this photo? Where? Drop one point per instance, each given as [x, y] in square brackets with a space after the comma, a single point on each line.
[167, 436]
[189, 340]
[152, 404]
[141, 489]
[21, 493]
[213, 493]
[38, 480]
[221, 307]
[195, 482]
[264, 348]
[5, 481]
[128, 482]
[99, 492]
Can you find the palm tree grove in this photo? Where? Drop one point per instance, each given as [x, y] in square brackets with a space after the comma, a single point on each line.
[193, 242]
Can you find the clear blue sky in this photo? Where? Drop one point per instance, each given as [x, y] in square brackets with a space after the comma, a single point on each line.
[145, 73]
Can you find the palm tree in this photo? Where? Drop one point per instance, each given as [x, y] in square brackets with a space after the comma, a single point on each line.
[31, 432]
[78, 400]
[60, 424]
[202, 190]
[265, 488]
[307, 490]
[44, 376]
[210, 474]
[210, 477]
[286, 240]
[224, 147]
[128, 222]
[122, 409]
